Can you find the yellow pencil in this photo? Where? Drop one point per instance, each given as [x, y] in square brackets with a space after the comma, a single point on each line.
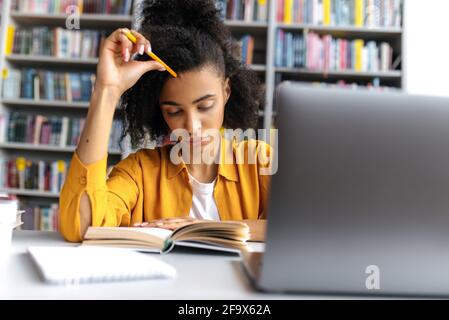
[133, 39]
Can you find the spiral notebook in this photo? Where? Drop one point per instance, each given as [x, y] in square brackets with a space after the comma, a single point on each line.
[77, 265]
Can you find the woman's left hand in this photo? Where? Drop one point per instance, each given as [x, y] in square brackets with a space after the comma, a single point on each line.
[257, 229]
[168, 223]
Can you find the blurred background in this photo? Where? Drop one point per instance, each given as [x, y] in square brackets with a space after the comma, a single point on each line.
[47, 69]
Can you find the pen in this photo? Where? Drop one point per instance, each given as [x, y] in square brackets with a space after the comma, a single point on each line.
[133, 39]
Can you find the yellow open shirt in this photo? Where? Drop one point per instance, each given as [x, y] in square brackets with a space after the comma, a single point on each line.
[147, 186]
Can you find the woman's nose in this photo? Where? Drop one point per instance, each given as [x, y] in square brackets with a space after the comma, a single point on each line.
[194, 126]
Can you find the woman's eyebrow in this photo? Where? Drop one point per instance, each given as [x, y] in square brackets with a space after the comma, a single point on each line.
[172, 103]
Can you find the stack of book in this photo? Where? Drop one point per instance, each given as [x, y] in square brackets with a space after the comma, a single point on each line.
[246, 10]
[57, 42]
[54, 131]
[30, 83]
[246, 44]
[26, 174]
[40, 217]
[122, 7]
[312, 51]
[359, 13]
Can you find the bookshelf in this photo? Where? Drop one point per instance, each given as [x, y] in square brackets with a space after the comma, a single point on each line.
[265, 53]
[45, 200]
[368, 29]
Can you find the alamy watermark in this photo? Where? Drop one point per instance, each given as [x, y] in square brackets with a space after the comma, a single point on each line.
[205, 148]
[372, 282]
[72, 22]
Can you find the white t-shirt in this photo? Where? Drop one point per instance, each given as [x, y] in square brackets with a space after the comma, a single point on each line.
[203, 202]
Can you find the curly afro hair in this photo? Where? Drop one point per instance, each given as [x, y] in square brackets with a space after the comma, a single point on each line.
[188, 35]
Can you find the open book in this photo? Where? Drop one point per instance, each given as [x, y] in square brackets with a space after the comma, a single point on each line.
[229, 236]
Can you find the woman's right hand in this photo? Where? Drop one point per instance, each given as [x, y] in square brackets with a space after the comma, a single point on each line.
[116, 70]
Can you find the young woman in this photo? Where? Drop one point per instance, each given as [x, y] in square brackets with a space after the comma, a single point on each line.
[213, 90]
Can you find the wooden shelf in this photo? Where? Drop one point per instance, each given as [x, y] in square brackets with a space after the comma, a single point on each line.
[29, 193]
[50, 61]
[342, 73]
[49, 148]
[247, 27]
[258, 67]
[45, 104]
[346, 31]
[262, 113]
[86, 20]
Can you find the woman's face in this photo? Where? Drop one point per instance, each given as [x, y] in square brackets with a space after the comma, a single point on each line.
[195, 102]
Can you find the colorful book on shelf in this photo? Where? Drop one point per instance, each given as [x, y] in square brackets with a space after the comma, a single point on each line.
[324, 52]
[358, 48]
[245, 10]
[122, 7]
[26, 174]
[261, 11]
[9, 39]
[229, 236]
[370, 13]
[288, 8]
[327, 12]
[359, 7]
[39, 217]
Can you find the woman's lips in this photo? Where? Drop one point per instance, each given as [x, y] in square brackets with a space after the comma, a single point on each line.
[200, 140]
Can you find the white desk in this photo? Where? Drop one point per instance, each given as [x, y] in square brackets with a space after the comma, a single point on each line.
[200, 276]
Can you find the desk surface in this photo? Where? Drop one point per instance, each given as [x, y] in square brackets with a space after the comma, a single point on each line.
[200, 276]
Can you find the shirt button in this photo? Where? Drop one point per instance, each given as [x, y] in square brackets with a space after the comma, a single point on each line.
[83, 180]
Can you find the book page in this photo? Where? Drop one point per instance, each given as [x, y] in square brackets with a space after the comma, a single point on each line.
[226, 230]
[151, 237]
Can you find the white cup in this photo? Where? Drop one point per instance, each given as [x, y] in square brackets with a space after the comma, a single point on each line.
[8, 221]
[8, 211]
[5, 237]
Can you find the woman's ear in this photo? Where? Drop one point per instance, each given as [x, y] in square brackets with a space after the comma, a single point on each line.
[227, 90]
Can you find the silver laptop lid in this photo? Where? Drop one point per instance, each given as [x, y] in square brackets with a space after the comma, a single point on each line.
[360, 202]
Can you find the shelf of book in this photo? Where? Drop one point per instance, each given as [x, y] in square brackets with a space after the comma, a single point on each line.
[104, 21]
[48, 148]
[343, 74]
[49, 61]
[61, 105]
[244, 27]
[345, 31]
[233, 24]
[29, 193]
[258, 67]
[21, 60]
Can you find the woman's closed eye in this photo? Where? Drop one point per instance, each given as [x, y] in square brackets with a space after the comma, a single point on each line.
[173, 113]
[200, 108]
[205, 108]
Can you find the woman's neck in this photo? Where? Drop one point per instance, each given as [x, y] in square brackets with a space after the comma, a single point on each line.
[205, 172]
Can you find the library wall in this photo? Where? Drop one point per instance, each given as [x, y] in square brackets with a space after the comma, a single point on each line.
[426, 50]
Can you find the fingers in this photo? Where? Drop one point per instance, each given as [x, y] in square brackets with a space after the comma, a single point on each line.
[145, 66]
[167, 223]
[127, 46]
[142, 44]
[122, 44]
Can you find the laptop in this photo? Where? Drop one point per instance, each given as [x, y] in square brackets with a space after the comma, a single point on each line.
[360, 202]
